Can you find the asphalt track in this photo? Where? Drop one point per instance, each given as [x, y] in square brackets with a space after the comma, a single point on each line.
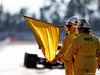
[12, 59]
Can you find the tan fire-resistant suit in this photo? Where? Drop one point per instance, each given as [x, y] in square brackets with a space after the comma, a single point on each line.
[86, 49]
[65, 43]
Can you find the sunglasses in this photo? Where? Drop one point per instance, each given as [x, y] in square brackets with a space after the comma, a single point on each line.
[68, 26]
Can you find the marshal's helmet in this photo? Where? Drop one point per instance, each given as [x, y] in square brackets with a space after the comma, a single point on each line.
[83, 24]
[73, 20]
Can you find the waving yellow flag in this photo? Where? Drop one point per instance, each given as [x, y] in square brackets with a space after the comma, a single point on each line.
[47, 36]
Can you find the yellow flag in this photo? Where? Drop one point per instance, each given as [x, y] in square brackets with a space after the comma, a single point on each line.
[47, 36]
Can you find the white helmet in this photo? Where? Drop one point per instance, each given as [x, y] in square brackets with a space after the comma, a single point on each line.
[73, 20]
[83, 24]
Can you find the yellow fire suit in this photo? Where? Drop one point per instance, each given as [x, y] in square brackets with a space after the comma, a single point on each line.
[86, 49]
[65, 43]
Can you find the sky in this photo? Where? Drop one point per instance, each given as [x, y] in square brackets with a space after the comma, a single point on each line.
[13, 6]
[33, 6]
